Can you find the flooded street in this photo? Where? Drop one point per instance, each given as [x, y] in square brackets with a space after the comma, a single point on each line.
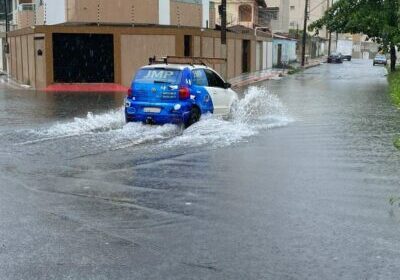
[294, 185]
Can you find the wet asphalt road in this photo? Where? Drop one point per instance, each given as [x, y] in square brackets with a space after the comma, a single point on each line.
[298, 191]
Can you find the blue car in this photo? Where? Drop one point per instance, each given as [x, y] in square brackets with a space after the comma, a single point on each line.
[177, 94]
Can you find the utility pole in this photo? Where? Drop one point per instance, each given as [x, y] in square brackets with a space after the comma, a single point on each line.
[330, 34]
[5, 49]
[303, 53]
[222, 12]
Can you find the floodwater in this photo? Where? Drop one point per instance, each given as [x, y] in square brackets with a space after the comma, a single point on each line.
[295, 185]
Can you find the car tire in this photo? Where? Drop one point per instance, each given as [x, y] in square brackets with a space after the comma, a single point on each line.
[194, 116]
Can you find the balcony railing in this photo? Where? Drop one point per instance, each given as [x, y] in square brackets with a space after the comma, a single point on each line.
[11, 27]
[26, 7]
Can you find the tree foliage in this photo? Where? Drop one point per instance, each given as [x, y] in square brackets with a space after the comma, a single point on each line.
[378, 19]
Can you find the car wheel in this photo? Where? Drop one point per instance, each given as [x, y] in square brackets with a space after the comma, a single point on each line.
[194, 117]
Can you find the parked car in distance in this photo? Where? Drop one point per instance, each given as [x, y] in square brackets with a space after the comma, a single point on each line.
[345, 47]
[380, 59]
[346, 57]
[177, 94]
[335, 58]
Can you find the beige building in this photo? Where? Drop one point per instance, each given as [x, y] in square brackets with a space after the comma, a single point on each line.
[197, 13]
[49, 55]
[104, 41]
[278, 13]
[23, 14]
[317, 10]
[241, 12]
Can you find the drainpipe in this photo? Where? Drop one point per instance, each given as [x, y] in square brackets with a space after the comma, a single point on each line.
[223, 40]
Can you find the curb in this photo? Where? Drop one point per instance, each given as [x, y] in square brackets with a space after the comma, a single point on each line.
[254, 80]
[257, 78]
[312, 65]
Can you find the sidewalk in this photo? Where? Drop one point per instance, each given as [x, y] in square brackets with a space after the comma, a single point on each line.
[250, 78]
[316, 62]
[311, 63]
[271, 74]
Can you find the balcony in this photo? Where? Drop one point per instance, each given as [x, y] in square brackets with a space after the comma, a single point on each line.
[24, 16]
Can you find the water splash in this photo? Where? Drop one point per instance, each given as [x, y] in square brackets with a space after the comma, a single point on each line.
[257, 105]
[257, 111]
[90, 124]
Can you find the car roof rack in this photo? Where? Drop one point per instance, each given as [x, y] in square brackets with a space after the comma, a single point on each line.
[205, 61]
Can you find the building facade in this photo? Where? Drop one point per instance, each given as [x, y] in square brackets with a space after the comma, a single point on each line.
[103, 41]
[241, 12]
[164, 12]
[22, 14]
[284, 51]
[317, 9]
[51, 54]
[278, 14]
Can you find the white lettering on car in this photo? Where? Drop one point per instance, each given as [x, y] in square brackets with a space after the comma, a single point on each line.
[159, 74]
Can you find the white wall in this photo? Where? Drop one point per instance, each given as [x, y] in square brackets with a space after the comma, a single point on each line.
[265, 54]
[55, 11]
[206, 13]
[258, 55]
[164, 14]
[269, 54]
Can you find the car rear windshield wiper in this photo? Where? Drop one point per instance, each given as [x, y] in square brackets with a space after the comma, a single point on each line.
[161, 82]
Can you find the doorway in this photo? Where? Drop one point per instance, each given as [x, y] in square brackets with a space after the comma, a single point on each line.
[246, 56]
[188, 46]
[83, 58]
[279, 55]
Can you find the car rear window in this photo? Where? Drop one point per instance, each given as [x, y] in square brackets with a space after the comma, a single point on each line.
[158, 75]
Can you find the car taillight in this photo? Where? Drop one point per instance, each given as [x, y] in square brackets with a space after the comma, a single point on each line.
[184, 93]
[130, 92]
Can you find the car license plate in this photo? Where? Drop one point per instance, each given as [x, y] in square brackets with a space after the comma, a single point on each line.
[151, 110]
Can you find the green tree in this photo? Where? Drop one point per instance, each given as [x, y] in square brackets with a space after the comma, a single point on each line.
[378, 19]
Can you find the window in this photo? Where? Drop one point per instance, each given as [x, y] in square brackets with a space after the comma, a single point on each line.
[213, 79]
[158, 75]
[273, 13]
[245, 13]
[292, 8]
[187, 45]
[199, 78]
